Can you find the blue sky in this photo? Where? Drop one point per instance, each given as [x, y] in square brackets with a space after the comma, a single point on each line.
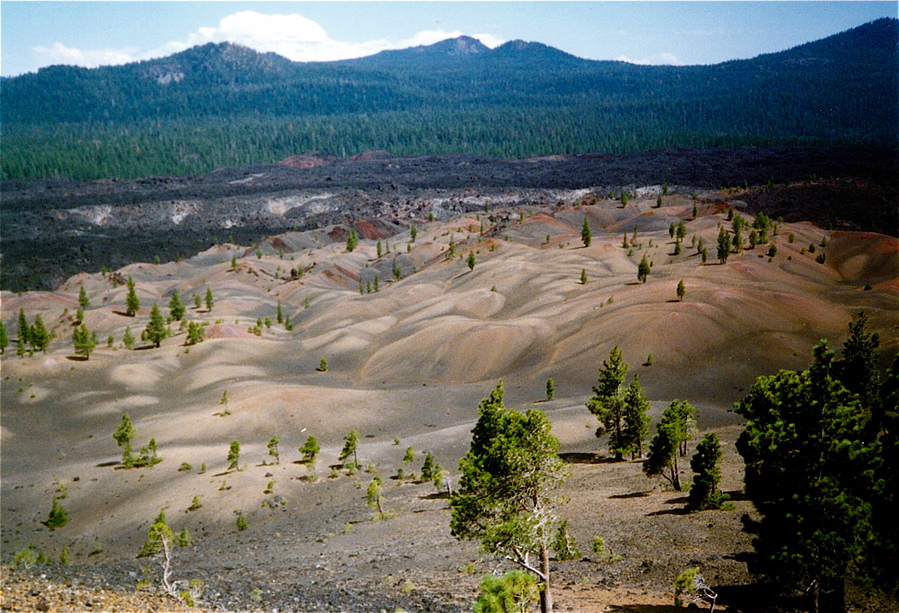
[36, 34]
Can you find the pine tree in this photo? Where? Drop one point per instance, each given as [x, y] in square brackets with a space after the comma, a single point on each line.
[673, 431]
[427, 467]
[210, 301]
[858, 369]
[128, 339]
[24, 330]
[176, 307]
[505, 496]
[643, 269]
[233, 455]
[83, 300]
[705, 494]
[681, 290]
[196, 332]
[132, 302]
[350, 442]
[373, 496]
[471, 260]
[352, 240]
[39, 335]
[809, 474]
[279, 316]
[273, 448]
[155, 331]
[550, 389]
[310, 449]
[83, 341]
[123, 436]
[586, 233]
[636, 419]
[4, 338]
[607, 402]
[723, 245]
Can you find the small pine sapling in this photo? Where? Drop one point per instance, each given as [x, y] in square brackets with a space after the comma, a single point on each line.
[58, 516]
[564, 544]
[310, 449]
[233, 455]
[273, 448]
[351, 441]
[373, 496]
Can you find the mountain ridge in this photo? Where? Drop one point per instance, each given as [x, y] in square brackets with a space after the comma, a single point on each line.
[456, 96]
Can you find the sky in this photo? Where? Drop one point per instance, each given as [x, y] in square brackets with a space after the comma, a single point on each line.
[37, 34]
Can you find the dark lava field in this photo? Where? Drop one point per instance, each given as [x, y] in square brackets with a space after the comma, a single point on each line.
[53, 229]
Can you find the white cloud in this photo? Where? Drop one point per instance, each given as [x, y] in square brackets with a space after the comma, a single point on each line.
[658, 59]
[292, 36]
[60, 54]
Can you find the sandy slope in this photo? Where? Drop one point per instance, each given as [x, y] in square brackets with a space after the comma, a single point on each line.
[411, 362]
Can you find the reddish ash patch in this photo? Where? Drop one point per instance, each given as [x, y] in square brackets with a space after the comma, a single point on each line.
[368, 156]
[308, 160]
[227, 331]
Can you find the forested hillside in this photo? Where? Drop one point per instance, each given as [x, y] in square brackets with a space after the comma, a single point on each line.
[224, 105]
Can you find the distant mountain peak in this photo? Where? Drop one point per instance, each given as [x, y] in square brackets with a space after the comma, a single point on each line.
[459, 46]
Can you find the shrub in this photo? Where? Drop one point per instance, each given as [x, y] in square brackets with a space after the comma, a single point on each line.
[564, 544]
[514, 591]
[58, 517]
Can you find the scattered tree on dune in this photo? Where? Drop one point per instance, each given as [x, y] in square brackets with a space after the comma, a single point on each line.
[132, 302]
[39, 336]
[350, 442]
[635, 418]
[723, 245]
[4, 338]
[155, 331]
[210, 300]
[24, 330]
[310, 449]
[273, 448]
[607, 402]
[550, 389]
[586, 233]
[674, 429]
[83, 300]
[128, 339]
[704, 494]
[681, 290]
[233, 455]
[123, 436]
[176, 307]
[352, 240]
[505, 496]
[83, 341]
[196, 332]
[373, 496]
[643, 269]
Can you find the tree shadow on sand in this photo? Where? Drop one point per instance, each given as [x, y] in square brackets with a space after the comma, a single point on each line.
[631, 495]
[586, 458]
